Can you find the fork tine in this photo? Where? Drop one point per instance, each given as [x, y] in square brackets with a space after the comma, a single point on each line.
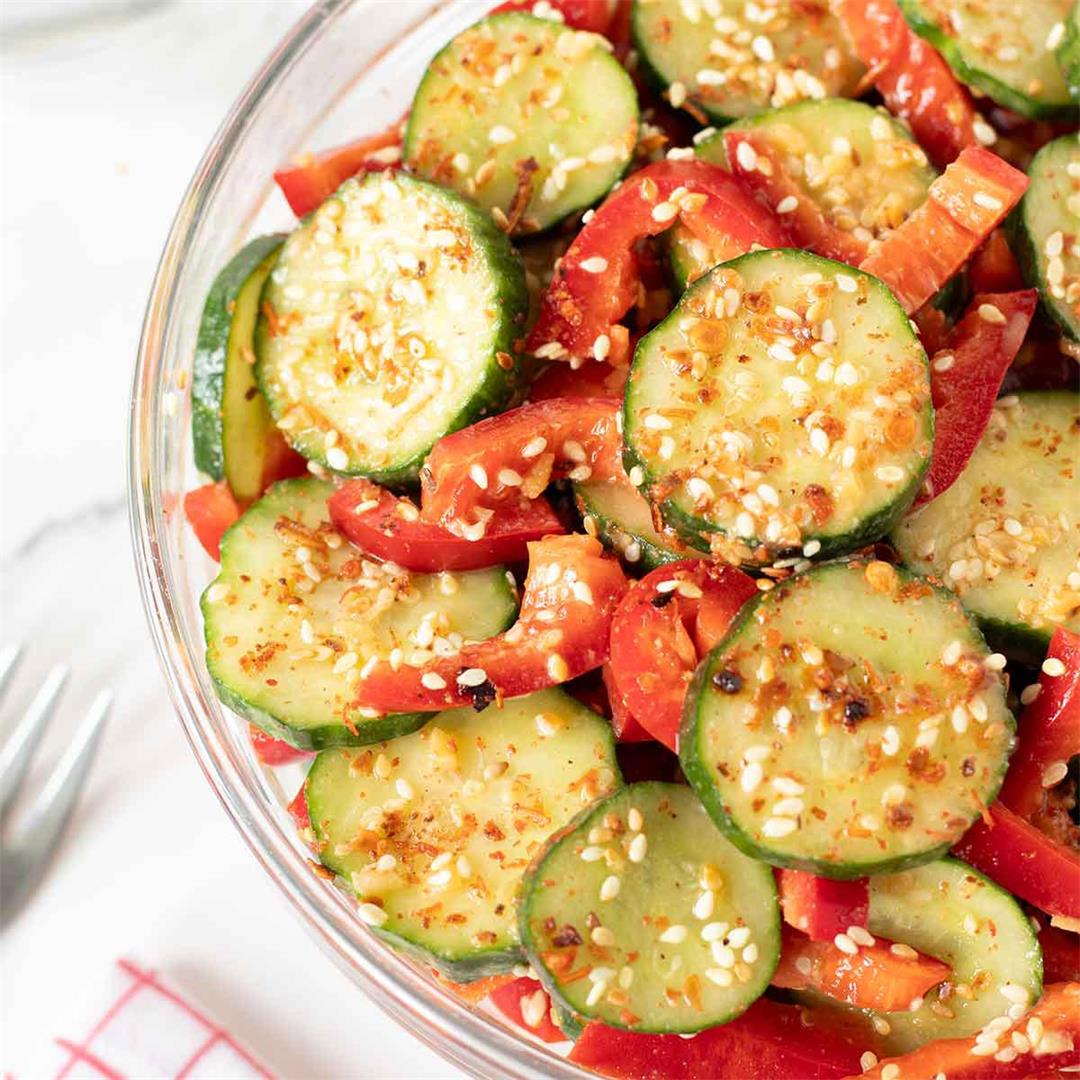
[9, 659]
[17, 751]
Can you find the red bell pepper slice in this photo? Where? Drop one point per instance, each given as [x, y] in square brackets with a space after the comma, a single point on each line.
[592, 15]
[623, 722]
[822, 907]
[316, 177]
[993, 268]
[469, 473]
[1061, 953]
[590, 380]
[1025, 861]
[271, 751]
[1049, 729]
[653, 647]
[571, 591]
[298, 809]
[965, 377]
[390, 528]
[767, 1042]
[210, 510]
[806, 224]
[525, 1002]
[596, 282]
[916, 83]
[1057, 1014]
[964, 205]
[872, 978]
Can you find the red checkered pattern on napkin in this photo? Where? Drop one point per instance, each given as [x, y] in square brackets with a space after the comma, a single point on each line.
[150, 1032]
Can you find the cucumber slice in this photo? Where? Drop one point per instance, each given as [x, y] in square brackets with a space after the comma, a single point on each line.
[229, 419]
[526, 116]
[999, 47]
[460, 805]
[388, 322]
[731, 61]
[641, 915]
[1006, 536]
[1049, 231]
[858, 165]
[1068, 49]
[848, 723]
[783, 405]
[623, 522]
[949, 910]
[285, 644]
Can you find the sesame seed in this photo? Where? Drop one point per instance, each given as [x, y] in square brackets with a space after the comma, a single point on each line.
[478, 475]
[602, 936]
[664, 212]
[1053, 667]
[674, 935]
[639, 846]
[472, 677]
[704, 905]
[889, 474]
[984, 134]
[867, 1060]
[371, 915]
[943, 361]
[751, 777]
[1054, 774]
[336, 458]
[1018, 995]
[989, 313]
[557, 668]
[746, 157]
[609, 888]
[595, 264]
[844, 943]
[890, 1071]
[500, 135]
[534, 447]
[592, 853]
[763, 49]
[750, 953]
[217, 592]
[431, 680]
[345, 662]
[861, 936]
[775, 828]
[846, 283]
[634, 820]
[677, 95]
[714, 931]
[723, 955]
[881, 1025]
[719, 976]
[789, 807]
[1055, 36]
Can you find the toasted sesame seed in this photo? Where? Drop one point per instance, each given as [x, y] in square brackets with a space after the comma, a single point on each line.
[746, 156]
[775, 828]
[1053, 667]
[1055, 36]
[991, 314]
[664, 212]
[861, 936]
[846, 283]
[1018, 995]
[674, 934]
[844, 943]
[704, 905]
[602, 936]
[867, 1060]
[723, 955]
[609, 888]
[370, 914]
[788, 204]
[638, 848]
[217, 592]
[987, 202]
[432, 680]
[890, 1071]
[719, 976]
[751, 777]
[595, 264]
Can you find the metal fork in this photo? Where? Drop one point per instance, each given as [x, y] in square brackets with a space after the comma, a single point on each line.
[24, 860]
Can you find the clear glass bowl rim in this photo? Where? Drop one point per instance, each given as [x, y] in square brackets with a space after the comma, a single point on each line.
[475, 1044]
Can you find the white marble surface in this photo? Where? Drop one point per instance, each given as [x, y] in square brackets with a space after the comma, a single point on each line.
[102, 124]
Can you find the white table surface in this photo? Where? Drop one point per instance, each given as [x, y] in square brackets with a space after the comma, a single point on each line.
[102, 124]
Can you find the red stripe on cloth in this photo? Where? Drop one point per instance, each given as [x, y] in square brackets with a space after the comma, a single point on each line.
[80, 1053]
[197, 1056]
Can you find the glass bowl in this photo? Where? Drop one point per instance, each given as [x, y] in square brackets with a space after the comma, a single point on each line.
[349, 67]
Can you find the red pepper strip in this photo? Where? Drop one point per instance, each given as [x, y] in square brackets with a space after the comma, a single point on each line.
[510, 998]
[806, 224]
[596, 282]
[590, 380]
[562, 631]
[388, 527]
[1025, 861]
[769, 1041]
[1061, 954]
[653, 652]
[210, 510]
[965, 204]
[316, 177]
[965, 387]
[993, 268]
[821, 907]
[271, 751]
[933, 326]
[1058, 1014]
[519, 453]
[472, 993]
[1049, 730]
[916, 83]
[593, 15]
[623, 722]
[872, 978]
[298, 809]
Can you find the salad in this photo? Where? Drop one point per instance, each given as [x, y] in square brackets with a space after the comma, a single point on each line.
[645, 486]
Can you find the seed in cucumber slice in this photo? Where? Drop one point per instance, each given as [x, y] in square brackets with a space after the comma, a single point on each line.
[1049, 231]
[782, 407]
[1004, 49]
[388, 322]
[230, 423]
[295, 613]
[856, 164]
[849, 723]
[949, 910]
[641, 915]
[433, 831]
[623, 523]
[731, 65]
[1067, 49]
[526, 116]
[1006, 536]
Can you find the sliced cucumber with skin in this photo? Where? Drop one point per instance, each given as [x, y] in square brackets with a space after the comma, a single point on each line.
[730, 65]
[1068, 50]
[229, 419]
[1048, 221]
[858, 165]
[389, 321]
[949, 910]
[623, 522]
[848, 724]
[784, 405]
[1006, 536]
[296, 612]
[641, 915]
[999, 47]
[525, 116]
[433, 831]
